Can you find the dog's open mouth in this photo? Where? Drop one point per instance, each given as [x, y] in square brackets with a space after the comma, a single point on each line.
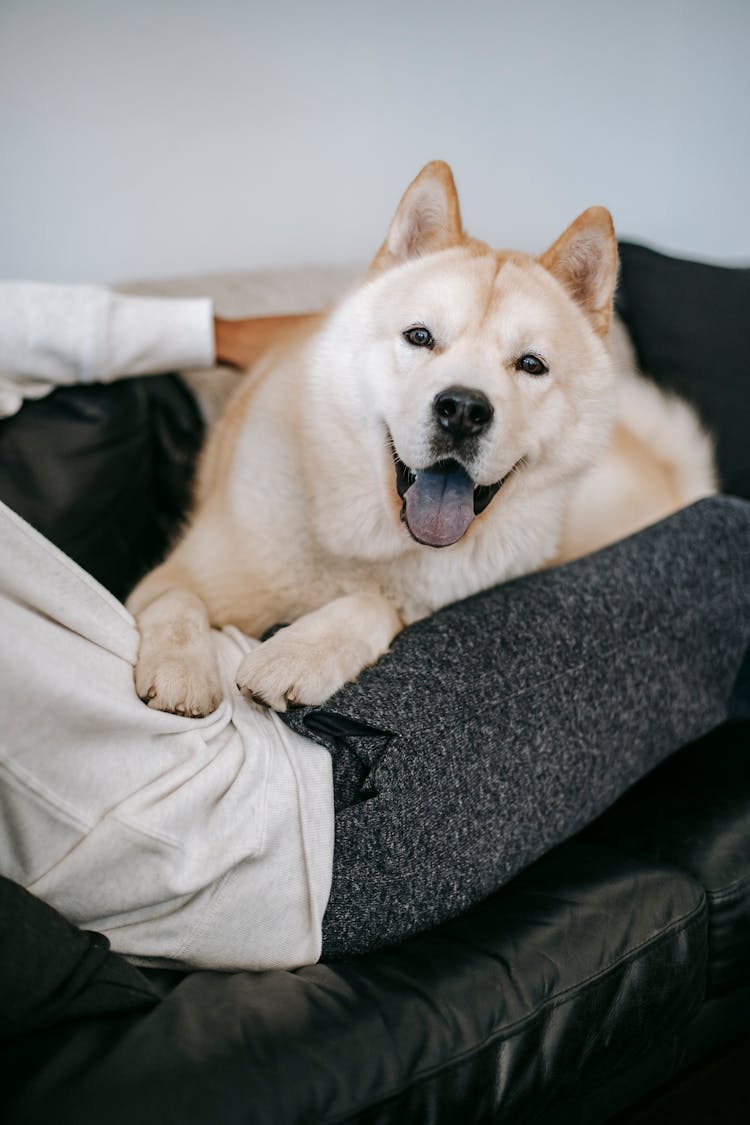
[439, 503]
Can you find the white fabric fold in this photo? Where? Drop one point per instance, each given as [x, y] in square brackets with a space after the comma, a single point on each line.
[196, 842]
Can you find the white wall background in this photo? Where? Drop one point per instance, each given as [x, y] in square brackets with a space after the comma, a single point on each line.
[141, 138]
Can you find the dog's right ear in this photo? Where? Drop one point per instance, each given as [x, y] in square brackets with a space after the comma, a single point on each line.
[428, 219]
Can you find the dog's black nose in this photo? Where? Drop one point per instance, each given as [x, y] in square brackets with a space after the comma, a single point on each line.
[462, 412]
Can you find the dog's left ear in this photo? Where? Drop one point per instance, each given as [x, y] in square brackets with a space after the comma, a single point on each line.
[584, 261]
[428, 219]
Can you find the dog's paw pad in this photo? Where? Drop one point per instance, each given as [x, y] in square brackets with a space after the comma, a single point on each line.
[181, 685]
[280, 676]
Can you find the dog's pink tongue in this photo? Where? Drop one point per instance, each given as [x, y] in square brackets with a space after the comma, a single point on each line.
[440, 505]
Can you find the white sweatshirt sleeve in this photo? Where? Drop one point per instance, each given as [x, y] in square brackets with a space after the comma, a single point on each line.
[62, 334]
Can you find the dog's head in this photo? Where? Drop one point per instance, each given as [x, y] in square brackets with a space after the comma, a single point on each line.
[458, 374]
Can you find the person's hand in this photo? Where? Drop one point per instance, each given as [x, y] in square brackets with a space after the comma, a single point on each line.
[240, 343]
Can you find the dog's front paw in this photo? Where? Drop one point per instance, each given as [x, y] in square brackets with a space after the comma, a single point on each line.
[184, 683]
[284, 673]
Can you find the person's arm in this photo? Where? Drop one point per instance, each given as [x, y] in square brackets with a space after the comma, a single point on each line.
[240, 343]
[88, 333]
[64, 334]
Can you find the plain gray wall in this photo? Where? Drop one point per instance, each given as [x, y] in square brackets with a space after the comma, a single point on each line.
[141, 138]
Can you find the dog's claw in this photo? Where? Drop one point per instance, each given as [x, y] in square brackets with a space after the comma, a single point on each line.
[253, 697]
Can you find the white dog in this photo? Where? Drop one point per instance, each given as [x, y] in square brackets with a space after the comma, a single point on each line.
[459, 419]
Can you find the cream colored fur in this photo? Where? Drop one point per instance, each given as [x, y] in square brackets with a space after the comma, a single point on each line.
[298, 518]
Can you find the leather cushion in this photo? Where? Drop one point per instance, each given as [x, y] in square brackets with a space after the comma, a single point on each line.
[573, 971]
[690, 324]
[694, 812]
[51, 972]
[104, 471]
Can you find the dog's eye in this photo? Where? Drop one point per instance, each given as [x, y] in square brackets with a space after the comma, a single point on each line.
[532, 365]
[419, 336]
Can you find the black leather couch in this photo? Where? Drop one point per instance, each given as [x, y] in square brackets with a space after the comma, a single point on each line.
[617, 961]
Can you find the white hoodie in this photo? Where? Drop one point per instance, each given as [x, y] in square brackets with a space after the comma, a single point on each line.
[198, 842]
